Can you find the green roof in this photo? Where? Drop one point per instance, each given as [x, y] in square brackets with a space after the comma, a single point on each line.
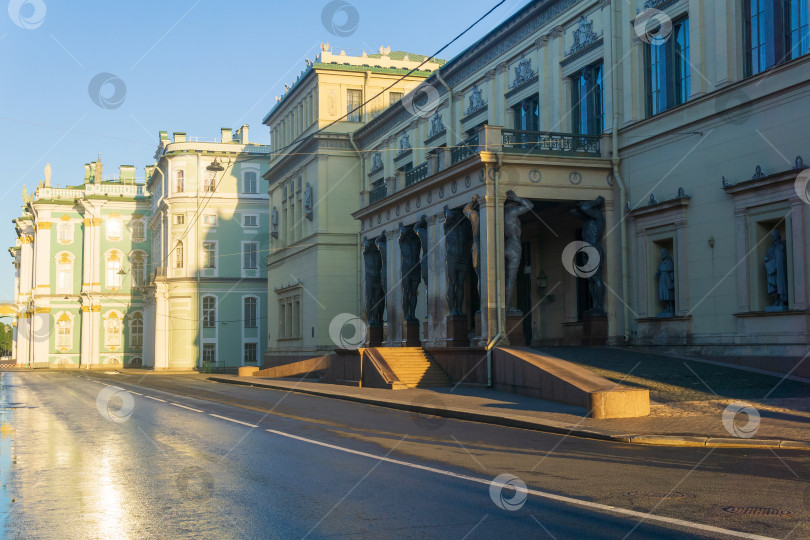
[400, 55]
[368, 67]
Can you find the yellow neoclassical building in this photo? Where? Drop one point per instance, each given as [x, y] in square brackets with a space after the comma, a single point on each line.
[315, 179]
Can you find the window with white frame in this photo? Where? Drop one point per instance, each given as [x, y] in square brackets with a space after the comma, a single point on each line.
[251, 312]
[289, 316]
[251, 221]
[112, 330]
[64, 232]
[136, 331]
[179, 219]
[138, 269]
[179, 181]
[251, 184]
[209, 255]
[209, 353]
[210, 219]
[250, 256]
[113, 266]
[64, 273]
[251, 353]
[138, 230]
[209, 183]
[178, 254]
[113, 227]
[64, 333]
[209, 311]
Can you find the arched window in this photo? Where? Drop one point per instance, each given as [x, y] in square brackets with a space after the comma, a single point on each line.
[178, 255]
[250, 183]
[209, 311]
[138, 270]
[251, 312]
[112, 330]
[179, 181]
[113, 268]
[64, 273]
[136, 331]
[138, 230]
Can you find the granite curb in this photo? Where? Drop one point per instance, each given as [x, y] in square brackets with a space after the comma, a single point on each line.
[545, 425]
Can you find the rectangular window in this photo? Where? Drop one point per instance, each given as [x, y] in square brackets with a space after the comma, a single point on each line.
[65, 233]
[668, 72]
[210, 219]
[209, 312]
[136, 333]
[209, 183]
[64, 336]
[587, 100]
[775, 31]
[354, 98]
[250, 256]
[527, 114]
[113, 277]
[251, 184]
[209, 353]
[251, 312]
[250, 221]
[179, 219]
[393, 97]
[209, 255]
[251, 352]
[64, 277]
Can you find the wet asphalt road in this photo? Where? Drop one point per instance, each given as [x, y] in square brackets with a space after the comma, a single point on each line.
[181, 457]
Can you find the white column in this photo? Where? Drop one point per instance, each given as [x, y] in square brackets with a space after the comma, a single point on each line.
[86, 338]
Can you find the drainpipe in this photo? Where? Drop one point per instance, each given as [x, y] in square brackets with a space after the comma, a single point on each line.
[498, 258]
[359, 238]
[197, 269]
[616, 160]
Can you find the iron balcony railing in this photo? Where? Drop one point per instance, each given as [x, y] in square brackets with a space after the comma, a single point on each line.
[464, 150]
[377, 193]
[416, 175]
[546, 142]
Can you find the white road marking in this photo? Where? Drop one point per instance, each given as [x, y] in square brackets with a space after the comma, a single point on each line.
[544, 494]
[183, 406]
[156, 399]
[232, 420]
[134, 392]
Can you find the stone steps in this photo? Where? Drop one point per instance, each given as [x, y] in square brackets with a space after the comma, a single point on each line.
[413, 367]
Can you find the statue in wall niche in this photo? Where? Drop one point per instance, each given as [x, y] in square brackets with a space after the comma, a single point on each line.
[410, 267]
[776, 268]
[375, 294]
[308, 205]
[382, 246]
[457, 257]
[593, 216]
[274, 223]
[666, 283]
[420, 228]
[471, 212]
[513, 208]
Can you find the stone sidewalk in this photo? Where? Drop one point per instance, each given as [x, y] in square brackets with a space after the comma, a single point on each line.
[694, 403]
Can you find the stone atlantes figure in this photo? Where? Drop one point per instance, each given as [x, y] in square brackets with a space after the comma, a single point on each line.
[471, 211]
[375, 295]
[666, 284]
[409, 249]
[457, 257]
[776, 268]
[591, 213]
[513, 208]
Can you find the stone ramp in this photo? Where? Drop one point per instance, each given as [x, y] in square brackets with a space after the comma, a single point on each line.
[529, 372]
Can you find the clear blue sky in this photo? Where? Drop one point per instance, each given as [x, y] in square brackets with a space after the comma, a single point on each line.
[187, 65]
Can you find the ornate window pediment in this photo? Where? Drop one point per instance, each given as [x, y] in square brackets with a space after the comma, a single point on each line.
[523, 72]
[583, 36]
[476, 101]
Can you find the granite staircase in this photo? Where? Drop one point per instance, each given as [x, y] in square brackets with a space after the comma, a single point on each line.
[413, 367]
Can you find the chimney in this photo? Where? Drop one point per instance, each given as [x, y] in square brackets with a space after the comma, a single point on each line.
[179, 136]
[86, 172]
[242, 134]
[164, 136]
[227, 135]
